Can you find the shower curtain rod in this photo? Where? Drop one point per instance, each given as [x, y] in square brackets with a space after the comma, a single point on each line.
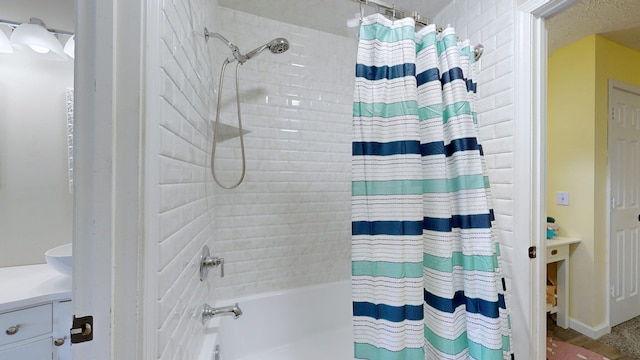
[398, 13]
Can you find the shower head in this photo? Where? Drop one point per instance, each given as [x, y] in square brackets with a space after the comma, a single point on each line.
[276, 46]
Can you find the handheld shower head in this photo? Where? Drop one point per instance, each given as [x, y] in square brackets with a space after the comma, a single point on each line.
[279, 45]
[276, 46]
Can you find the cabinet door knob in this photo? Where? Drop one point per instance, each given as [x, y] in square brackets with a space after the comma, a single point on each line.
[59, 342]
[13, 330]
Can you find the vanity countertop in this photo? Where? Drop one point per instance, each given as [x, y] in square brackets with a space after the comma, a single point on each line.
[22, 286]
[561, 240]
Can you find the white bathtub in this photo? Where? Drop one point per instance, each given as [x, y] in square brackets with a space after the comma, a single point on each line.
[311, 323]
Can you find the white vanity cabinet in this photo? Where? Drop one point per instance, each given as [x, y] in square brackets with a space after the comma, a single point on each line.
[35, 314]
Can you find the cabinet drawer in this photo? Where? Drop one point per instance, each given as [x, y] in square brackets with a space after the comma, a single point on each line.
[557, 253]
[37, 350]
[31, 322]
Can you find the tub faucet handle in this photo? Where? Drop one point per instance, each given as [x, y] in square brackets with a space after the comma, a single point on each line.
[207, 262]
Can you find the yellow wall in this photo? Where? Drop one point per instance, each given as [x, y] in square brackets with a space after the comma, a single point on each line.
[570, 161]
[577, 160]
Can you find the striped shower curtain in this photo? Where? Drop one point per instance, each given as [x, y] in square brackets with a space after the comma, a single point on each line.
[425, 259]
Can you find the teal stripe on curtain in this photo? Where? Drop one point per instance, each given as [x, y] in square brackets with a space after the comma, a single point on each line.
[460, 344]
[370, 352]
[403, 108]
[469, 262]
[416, 187]
[430, 112]
[386, 34]
[447, 346]
[387, 269]
[457, 109]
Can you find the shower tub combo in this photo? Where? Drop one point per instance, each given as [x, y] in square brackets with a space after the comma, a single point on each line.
[311, 323]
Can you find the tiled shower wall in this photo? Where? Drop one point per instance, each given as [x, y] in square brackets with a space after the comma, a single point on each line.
[177, 139]
[289, 223]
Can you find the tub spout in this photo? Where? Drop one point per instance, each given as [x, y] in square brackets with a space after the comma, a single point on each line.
[209, 312]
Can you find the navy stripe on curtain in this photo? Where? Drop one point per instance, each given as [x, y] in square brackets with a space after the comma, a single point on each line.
[447, 77]
[426, 76]
[474, 306]
[385, 72]
[386, 227]
[363, 148]
[438, 147]
[476, 221]
[388, 312]
[452, 75]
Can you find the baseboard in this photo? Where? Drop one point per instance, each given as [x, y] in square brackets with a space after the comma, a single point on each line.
[592, 332]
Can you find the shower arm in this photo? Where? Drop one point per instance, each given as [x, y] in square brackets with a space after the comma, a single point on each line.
[236, 55]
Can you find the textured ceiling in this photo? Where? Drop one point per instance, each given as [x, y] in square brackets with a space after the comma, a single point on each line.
[326, 15]
[617, 20]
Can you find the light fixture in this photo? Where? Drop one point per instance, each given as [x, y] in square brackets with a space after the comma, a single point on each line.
[5, 45]
[70, 47]
[35, 36]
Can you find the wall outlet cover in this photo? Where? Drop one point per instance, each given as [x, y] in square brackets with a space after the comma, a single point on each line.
[563, 198]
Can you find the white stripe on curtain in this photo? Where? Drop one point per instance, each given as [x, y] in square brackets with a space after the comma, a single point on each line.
[425, 258]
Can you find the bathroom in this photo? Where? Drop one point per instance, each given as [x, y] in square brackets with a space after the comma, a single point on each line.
[288, 224]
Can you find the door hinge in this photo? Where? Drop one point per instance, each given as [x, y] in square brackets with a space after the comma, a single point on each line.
[533, 252]
[81, 329]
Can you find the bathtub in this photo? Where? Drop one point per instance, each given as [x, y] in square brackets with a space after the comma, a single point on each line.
[311, 323]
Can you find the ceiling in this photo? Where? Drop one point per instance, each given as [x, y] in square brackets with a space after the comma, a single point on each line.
[616, 20]
[326, 15]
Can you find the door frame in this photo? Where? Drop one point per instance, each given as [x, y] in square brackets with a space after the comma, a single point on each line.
[612, 84]
[530, 169]
[107, 155]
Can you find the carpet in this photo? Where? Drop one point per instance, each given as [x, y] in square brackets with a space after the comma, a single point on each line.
[625, 337]
[558, 350]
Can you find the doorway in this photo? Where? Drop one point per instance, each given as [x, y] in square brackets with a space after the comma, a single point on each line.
[624, 184]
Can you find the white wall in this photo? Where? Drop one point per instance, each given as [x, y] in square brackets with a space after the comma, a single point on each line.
[289, 223]
[178, 219]
[35, 203]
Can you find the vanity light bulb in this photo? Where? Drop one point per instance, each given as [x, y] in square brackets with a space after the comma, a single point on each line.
[39, 49]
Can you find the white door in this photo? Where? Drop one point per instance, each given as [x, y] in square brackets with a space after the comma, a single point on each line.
[624, 182]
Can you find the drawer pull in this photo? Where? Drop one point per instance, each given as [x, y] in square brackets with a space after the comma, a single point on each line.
[59, 341]
[13, 330]
[554, 252]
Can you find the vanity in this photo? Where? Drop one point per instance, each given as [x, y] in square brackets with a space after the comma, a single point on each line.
[35, 313]
[558, 251]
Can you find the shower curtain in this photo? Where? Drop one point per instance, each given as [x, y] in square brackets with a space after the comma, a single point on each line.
[425, 259]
